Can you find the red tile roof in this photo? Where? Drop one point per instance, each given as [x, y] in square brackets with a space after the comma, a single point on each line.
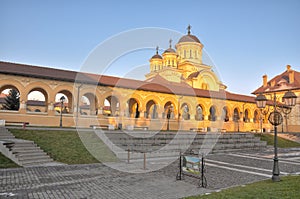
[281, 82]
[155, 85]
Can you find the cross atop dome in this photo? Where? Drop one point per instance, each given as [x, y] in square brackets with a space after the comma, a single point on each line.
[189, 29]
[157, 48]
[170, 43]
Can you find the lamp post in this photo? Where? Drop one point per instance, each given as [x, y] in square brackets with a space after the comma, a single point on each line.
[77, 105]
[275, 118]
[168, 118]
[286, 111]
[178, 115]
[261, 102]
[62, 100]
[169, 112]
[236, 118]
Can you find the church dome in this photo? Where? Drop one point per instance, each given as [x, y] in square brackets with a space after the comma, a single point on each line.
[170, 50]
[189, 37]
[156, 56]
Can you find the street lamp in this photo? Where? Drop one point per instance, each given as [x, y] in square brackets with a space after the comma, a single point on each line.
[261, 102]
[62, 100]
[168, 117]
[275, 118]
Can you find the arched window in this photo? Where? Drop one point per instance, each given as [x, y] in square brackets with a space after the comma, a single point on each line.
[9, 98]
[246, 117]
[199, 113]
[225, 115]
[133, 108]
[185, 111]
[37, 98]
[212, 114]
[88, 104]
[169, 110]
[151, 110]
[256, 116]
[111, 106]
[236, 115]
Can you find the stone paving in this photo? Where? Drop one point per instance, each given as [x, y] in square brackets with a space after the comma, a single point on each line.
[100, 181]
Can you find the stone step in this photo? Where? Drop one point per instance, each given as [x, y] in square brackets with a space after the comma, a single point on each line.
[30, 163]
[33, 157]
[5, 137]
[250, 145]
[119, 135]
[5, 134]
[24, 152]
[183, 141]
[30, 153]
[174, 150]
[25, 148]
[24, 144]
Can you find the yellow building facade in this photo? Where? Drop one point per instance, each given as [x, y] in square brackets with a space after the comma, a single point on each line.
[180, 93]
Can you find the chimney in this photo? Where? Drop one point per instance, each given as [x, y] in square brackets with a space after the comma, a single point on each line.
[291, 77]
[273, 83]
[265, 81]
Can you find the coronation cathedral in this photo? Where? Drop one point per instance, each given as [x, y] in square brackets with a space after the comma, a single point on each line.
[180, 92]
[184, 65]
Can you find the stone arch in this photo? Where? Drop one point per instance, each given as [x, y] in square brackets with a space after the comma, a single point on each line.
[14, 84]
[199, 116]
[39, 104]
[205, 106]
[138, 99]
[250, 109]
[236, 114]
[256, 116]
[9, 87]
[225, 114]
[40, 86]
[7, 83]
[113, 106]
[64, 88]
[212, 113]
[155, 99]
[191, 104]
[174, 101]
[151, 109]
[68, 105]
[185, 111]
[88, 103]
[169, 110]
[133, 108]
[246, 116]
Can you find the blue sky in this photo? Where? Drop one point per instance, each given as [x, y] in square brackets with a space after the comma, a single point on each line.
[245, 39]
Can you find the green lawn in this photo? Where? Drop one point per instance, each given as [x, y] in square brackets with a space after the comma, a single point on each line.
[282, 143]
[6, 162]
[287, 188]
[66, 146]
